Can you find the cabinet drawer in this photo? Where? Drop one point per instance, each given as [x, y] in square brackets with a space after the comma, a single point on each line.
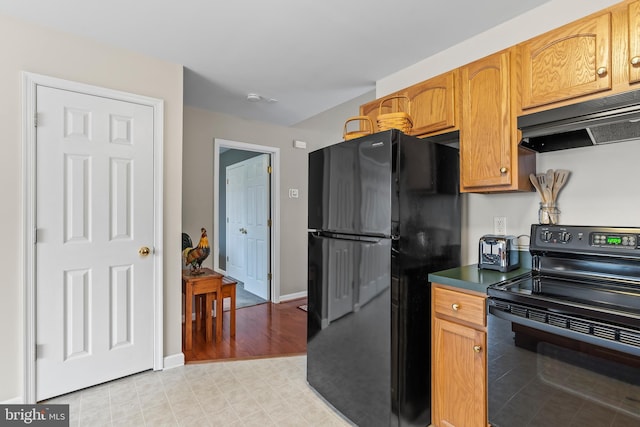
[458, 305]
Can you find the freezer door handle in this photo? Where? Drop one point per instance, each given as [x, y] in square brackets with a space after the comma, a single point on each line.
[349, 237]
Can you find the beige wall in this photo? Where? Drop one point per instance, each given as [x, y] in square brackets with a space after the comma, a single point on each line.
[599, 191]
[26, 47]
[200, 129]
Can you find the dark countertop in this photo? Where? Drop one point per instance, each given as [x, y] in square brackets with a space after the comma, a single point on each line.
[471, 278]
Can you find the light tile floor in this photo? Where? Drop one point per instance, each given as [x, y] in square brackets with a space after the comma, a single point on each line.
[262, 392]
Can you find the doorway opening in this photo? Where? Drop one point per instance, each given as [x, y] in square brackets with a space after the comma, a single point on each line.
[246, 218]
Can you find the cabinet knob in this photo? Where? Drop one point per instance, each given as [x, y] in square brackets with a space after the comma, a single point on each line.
[635, 60]
[601, 71]
[477, 348]
[504, 170]
[455, 307]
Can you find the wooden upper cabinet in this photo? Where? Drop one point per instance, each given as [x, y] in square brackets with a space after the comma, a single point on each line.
[634, 41]
[485, 134]
[568, 62]
[434, 104]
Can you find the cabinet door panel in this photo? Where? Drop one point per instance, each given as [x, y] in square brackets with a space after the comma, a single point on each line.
[634, 42]
[459, 375]
[485, 134]
[571, 61]
[370, 109]
[433, 104]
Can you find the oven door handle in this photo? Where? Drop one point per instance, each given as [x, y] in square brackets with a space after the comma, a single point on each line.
[602, 342]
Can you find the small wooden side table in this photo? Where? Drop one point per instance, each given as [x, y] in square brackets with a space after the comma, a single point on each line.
[201, 284]
[228, 290]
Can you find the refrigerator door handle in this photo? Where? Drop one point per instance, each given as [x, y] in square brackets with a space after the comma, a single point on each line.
[349, 237]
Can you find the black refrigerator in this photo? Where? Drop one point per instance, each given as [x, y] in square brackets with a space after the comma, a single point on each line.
[384, 212]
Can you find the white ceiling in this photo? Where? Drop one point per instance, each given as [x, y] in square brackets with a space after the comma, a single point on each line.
[309, 55]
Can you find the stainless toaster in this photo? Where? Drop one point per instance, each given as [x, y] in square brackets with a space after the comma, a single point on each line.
[498, 253]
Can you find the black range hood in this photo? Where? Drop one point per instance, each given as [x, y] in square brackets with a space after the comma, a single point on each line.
[614, 118]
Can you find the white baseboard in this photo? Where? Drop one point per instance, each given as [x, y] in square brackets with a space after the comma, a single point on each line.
[174, 361]
[295, 295]
[14, 401]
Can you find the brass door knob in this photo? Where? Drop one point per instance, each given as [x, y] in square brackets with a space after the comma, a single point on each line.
[635, 60]
[601, 71]
[144, 251]
[455, 307]
[477, 348]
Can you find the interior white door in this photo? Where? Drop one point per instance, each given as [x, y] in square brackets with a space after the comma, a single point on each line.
[257, 227]
[248, 213]
[236, 221]
[94, 196]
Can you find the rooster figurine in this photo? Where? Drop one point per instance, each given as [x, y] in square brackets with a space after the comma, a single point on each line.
[195, 256]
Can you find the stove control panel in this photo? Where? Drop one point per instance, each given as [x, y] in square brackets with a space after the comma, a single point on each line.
[578, 238]
[614, 239]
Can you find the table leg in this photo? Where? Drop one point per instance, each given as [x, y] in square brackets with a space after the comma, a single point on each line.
[233, 311]
[219, 314]
[207, 316]
[188, 295]
[198, 312]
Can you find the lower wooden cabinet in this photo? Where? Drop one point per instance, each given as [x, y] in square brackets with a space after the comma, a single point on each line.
[459, 359]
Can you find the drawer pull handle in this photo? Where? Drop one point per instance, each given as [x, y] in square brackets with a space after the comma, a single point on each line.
[455, 307]
[477, 348]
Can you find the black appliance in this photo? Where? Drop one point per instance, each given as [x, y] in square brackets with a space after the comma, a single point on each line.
[384, 212]
[564, 341]
[603, 120]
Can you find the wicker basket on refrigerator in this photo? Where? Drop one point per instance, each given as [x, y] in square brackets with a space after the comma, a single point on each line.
[396, 119]
[366, 127]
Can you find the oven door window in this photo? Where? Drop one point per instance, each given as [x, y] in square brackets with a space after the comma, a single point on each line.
[541, 379]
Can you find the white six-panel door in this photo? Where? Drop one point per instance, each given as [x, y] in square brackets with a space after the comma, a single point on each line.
[95, 213]
[257, 194]
[236, 220]
[247, 224]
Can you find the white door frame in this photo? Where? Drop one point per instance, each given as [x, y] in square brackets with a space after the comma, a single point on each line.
[30, 81]
[275, 206]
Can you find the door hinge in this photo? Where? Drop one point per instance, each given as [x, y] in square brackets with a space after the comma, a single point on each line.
[35, 235]
[227, 181]
[269, 276]
[227, 258]
[35, 120]
[269, 169]
[268, 223]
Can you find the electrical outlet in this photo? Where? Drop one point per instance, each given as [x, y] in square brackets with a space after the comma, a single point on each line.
[500, 225]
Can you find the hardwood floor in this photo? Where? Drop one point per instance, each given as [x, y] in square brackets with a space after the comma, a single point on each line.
[264, 330]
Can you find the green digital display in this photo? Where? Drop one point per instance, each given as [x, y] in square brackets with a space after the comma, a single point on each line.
[614, 240]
